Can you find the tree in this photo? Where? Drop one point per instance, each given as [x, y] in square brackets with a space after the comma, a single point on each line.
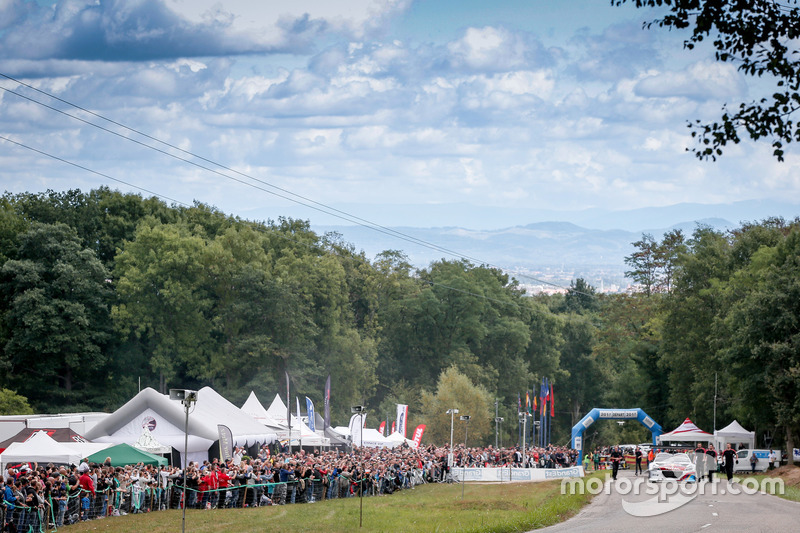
[12, 403]
[163, 299]
[455, 390]
[645, 263]
[757, 36]
[56, 314]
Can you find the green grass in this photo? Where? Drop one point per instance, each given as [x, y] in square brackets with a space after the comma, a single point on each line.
[492, 508]
[790, 492]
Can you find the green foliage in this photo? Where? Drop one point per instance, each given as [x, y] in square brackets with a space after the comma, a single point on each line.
[12, 403]
[756, 37]
[196, 298]
[455, 390]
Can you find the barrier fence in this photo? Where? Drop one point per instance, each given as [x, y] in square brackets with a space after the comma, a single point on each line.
[53, 514]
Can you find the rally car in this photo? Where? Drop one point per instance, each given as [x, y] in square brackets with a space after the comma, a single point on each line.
[678, 466]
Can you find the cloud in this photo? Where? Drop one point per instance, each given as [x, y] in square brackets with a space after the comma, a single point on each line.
[704, 80]
[138, 30]
[491, 49]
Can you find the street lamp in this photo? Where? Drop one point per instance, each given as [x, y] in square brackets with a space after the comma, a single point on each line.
[465, 418]
[187, 398]
[452, 413]
[360, 411]
[497, 421]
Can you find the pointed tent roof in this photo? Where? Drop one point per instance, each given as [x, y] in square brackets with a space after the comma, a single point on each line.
[125, 454]
[734, 429]
[57, 434]
[277, 411]
[168, 420]
[39, 448]
[687, 431]
[735, 433]
[255, 408]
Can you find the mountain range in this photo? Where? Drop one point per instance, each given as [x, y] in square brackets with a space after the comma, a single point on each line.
[593, 244]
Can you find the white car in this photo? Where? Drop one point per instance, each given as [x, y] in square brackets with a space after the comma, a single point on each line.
[677, 466]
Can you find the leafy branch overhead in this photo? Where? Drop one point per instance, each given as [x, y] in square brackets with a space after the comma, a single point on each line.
[760, 38]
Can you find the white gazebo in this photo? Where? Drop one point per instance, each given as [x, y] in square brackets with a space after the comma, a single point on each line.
[735, 434]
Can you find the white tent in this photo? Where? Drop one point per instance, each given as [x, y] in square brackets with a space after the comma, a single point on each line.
[686, 432]
[166, 420]
[40, 448]
[398, 439]
[300, 430]
[734, 434]
[254, 408]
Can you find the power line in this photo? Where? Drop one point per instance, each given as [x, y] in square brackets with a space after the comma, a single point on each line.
[281, 192]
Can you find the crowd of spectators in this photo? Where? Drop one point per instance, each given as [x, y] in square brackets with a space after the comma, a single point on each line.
[35, 495]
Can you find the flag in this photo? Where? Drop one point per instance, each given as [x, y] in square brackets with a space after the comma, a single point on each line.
[543, 397]
[382, 428]
[393, 425]
[418, 435]
[527, 402]
[535, 404]
[310, 411]
[288, 409]
[225, 442]
[299, 421]
[402, 416]
[357, 429]
[519, 404]
[328, 402]
[552, 402]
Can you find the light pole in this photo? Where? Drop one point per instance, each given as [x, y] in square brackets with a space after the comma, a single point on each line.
[452, 412]
[465, 418]
[523, 417]
[497, 421]
[187, 398]
[359, 410]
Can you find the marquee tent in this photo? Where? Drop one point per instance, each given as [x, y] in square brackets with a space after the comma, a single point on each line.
[255, 408]
[166, 420]
[57, 434]
[399, 439]
[300, 430]
[734, 434]
[125, 454]
[40, 448]
[686, 432]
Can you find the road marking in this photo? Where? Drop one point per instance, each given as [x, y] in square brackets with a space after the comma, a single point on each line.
[704, 526]
[714, 514]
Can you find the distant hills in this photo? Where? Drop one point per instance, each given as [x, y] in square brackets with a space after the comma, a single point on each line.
[591, 244]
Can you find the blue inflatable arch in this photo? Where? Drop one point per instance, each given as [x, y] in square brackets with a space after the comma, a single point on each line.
[611, 414]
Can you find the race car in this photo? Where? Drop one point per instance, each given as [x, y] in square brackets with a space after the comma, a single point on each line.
[677, 466]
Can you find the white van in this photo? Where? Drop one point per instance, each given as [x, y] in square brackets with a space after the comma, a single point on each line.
[762, 460]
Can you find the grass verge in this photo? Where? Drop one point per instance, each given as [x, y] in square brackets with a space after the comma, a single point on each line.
[496, 508]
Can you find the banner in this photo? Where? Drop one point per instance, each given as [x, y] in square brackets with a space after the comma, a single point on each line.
[288, 409]
[418, 435]
[382, 428]
[299, 420]
[225, 442]
[310, 411]
[356, 425]
[327, 402]
[402, 415]
[393, 426]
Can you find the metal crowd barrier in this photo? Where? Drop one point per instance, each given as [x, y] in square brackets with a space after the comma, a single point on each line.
[83, 505]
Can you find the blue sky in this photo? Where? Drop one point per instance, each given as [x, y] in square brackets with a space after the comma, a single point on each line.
[395, 110]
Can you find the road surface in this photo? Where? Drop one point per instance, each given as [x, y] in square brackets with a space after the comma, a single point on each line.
[631, 504]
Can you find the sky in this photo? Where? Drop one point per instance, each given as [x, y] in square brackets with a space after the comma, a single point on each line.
[400, 112]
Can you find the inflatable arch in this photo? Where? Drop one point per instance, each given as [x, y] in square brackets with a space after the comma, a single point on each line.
[611, 414]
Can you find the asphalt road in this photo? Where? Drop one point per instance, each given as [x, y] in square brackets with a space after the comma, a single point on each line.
[631, 504]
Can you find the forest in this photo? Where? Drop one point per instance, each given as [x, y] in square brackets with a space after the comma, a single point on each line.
[104, 293]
